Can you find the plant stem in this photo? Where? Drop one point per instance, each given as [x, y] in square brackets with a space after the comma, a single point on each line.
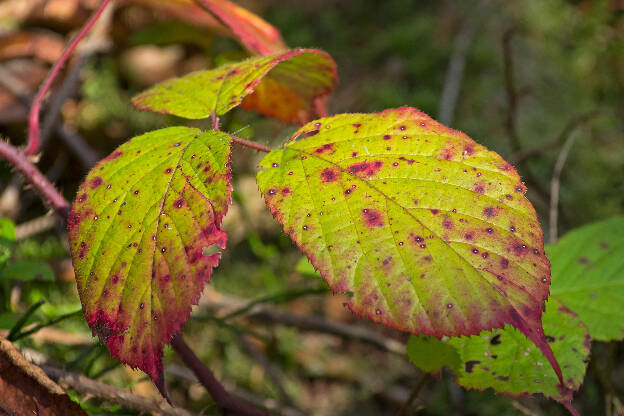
[251, 145]
[50, 195]
[224, 400]
[33, 117]
[421, 383]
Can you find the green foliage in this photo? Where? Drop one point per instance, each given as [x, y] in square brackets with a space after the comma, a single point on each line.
[138, 231]
[431, 354]
[28, 271]
[282, 85]
[588, 276]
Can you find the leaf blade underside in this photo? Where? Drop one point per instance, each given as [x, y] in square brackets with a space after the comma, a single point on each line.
[283, 85]
[588, 276]
[137, 231]
[430, 231]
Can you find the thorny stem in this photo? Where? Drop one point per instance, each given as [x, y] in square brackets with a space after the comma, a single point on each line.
[48, 192]
[222, 398]
[251, 145]
[33, 117]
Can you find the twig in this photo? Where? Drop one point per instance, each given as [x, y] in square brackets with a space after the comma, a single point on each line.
[60, 95]
[34, 227]
[523, 409]
[269, 314]
[572, 125]
[33, 117]
[421, 383]
[222, 398]
[251, 145]
[457, 64]
[78, 146]
[106, 392]
[47, 191]
[554, 188]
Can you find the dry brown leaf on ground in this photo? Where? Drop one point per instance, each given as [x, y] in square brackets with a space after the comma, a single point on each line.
[26, 390]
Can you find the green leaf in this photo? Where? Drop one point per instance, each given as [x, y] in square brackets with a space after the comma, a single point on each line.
[7, 230]
[508, 362]
[588, 276]
[282, 85]
[140, 231]
[430, 231]
[29, 271]
[431, 354]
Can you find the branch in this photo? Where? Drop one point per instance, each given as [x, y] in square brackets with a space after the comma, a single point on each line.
[457, 64]
[33, 117]
[554, 189]
[124, 397]
[47, 191]
[417, 387]
[251, 145]
[512, 94]
[222, 398]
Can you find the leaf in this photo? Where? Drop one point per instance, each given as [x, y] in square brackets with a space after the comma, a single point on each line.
[7, 231]
[588, 276]
[428, 230]
[430, 354]
[508, 362]
[283, 85]
[29, 271]
[139, 231]
[27, 390]
[258, 36]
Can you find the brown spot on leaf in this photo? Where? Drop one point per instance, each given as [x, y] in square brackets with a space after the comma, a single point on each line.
[95, 182]
[373, 217]
[329, 175]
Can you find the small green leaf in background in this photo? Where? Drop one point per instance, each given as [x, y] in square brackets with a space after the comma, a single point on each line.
[588, 276]
[27, 271]
[7, 239]
[282, 85]
[431, 354]
[505, 360]
[143, 231]
[305, 268]
[430, 231]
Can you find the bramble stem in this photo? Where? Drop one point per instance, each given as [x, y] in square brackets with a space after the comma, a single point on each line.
[222, 398]
[33, 116]
[251, 145]
[48, 192]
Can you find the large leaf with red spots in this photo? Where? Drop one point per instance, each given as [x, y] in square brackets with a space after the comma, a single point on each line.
[429, 231]
[283, 85]
[140, 229]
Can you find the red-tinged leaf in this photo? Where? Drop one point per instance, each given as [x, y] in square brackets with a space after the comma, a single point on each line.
[138, 231]
[428, 230]
[283, 86]
[258, 36]
[187, 11]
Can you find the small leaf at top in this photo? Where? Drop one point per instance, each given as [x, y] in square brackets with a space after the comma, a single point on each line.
[588, 276]
[282, 85]
[258, 36]
[508, 362]
[430, 231]
[7, 231]
[431, 354]
[141, 231]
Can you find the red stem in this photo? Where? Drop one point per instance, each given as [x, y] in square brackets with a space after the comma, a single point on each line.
[50, 195]
[33, 117]
[222, 398]
[251, 145]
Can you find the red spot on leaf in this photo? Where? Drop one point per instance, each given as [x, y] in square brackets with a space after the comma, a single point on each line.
[329, 175]
[365, 169]
[95, 182]
[490, 212]
[448, 224]
[325, 148]
[373, 217]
